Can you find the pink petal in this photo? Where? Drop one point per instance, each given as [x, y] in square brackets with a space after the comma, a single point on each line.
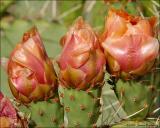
[24, 85]
[126, 51]
[150, 49]
[73, 55]
[115, 25]
[142, 27]
[7, 109]
[28, 60]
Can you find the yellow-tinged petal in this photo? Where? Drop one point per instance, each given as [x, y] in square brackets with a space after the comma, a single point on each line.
[37, 94]
[113, 21]
[76, 76]
[90, 67]
[4, 122]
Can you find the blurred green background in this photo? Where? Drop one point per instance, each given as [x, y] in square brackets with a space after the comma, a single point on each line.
[52, 19]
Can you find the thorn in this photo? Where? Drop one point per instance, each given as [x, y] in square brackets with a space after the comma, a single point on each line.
[122, 91]
[145, 105]
[72, 98]
[82, 107]
[61, 95]
[54, 120]
[90, 114]
[40, 112]
[134, 99]
[67, 109]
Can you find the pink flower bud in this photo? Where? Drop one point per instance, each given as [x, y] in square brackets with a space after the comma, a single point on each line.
[129, 43]
[31, 73]
[81, 61]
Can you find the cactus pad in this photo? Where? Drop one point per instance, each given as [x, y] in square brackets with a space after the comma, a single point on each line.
[44, 113]
[82, 108]
[135, 97]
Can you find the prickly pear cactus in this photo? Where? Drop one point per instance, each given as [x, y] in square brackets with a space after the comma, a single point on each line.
[44, 113]
[136, 98]
[82, 108]
[81, 65]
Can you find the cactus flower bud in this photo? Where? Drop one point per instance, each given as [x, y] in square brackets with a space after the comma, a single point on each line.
[8, 114]
[31, 73]
[81, 61]
[129, 44]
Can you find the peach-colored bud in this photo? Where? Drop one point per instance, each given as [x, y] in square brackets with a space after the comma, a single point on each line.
[31, 73]
[81, 61]
[129, 43]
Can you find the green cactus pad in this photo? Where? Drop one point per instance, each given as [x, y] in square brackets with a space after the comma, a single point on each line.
[136, 98]
[44, 113]
[82, 108]
[136, 124]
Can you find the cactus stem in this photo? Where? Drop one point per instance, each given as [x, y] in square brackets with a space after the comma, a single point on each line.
[67, 109]
[82, 107]
[156, 110]
[135, 113]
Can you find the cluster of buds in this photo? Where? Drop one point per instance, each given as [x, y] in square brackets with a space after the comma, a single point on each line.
[127, 46]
